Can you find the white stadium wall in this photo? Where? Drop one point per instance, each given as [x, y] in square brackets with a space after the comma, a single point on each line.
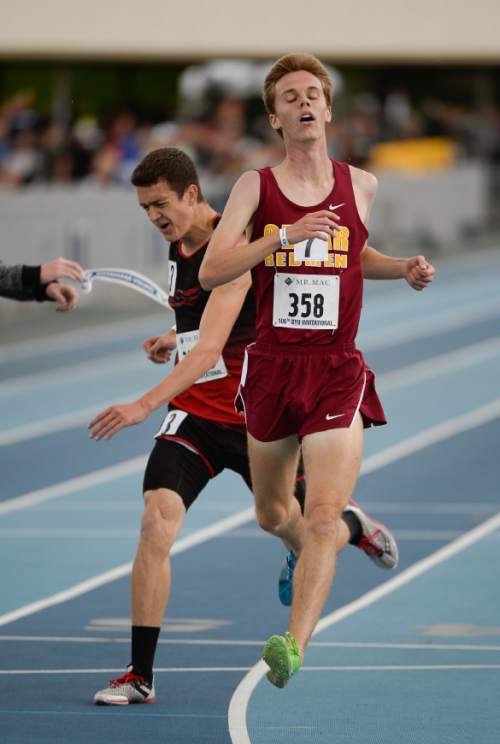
[432, 31]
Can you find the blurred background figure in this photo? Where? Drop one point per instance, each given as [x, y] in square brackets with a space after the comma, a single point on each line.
[71, 132]
[428, 140]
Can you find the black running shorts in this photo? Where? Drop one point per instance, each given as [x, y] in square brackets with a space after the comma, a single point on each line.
[190, 450]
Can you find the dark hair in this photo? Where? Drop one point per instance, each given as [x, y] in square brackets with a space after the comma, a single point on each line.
[170, 165]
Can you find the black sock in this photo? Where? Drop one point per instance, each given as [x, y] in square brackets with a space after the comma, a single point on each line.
[354, 525]
[144, 640]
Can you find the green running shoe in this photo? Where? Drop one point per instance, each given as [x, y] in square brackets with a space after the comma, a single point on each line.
[282, 656]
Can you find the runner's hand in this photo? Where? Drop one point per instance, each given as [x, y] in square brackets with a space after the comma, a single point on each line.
[159, 348]
[65, 297]
[313, 225]
[58, 268]
[419, 272]
[108, 423]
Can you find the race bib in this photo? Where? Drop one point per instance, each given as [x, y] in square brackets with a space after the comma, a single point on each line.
[185, 342]
[171, 422]
[172, 277]
[313, 248]
[306, 301]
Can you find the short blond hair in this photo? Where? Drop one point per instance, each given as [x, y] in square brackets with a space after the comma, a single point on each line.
[295, 63]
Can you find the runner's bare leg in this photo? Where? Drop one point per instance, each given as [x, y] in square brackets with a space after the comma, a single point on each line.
[277, 511]
[332, 461]
[163, 515]
[273, 467]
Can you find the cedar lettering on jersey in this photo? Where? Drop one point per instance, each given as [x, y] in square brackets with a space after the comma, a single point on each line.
[304, 312]
[213, 400]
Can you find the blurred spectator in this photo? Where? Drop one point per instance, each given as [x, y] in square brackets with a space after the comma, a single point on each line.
[222, 127]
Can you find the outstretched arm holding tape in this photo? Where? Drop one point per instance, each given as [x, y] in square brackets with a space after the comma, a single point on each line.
[24, 283]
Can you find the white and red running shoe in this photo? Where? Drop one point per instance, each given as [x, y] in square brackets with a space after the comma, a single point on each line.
[378, 542]
[130, 688]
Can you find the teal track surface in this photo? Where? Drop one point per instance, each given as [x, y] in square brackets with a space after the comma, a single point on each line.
[412, 655]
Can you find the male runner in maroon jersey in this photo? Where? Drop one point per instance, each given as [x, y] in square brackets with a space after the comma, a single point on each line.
[305, 384]
[202, 434]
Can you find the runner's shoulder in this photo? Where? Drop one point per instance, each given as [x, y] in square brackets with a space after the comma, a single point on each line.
[248, 183]
[363, 180]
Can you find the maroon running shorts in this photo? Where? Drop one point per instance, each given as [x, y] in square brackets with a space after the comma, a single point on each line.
[304, 390]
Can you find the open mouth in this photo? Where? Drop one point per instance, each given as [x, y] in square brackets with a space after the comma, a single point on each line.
[163, 226]
[306, 118]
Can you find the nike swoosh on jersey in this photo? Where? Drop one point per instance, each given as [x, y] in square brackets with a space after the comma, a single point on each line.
[337, 415]
[336, 206]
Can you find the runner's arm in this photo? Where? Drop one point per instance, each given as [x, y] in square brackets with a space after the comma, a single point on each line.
[376, 265]
[417, 271]
[225, 260]
[220, 314]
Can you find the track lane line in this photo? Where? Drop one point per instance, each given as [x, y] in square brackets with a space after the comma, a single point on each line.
[413, 444]
[198, 670]
[412, 374]
[196, 538]
[239, 702]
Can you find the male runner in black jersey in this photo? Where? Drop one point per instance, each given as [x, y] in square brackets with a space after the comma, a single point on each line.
[201, 434]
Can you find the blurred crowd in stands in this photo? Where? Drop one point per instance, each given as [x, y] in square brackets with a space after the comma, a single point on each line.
[225, 135]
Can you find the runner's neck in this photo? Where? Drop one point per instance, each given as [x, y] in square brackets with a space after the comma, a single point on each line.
[201, 229]
[305, 177]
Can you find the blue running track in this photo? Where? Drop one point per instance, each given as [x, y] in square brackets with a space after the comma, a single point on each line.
[412, 655]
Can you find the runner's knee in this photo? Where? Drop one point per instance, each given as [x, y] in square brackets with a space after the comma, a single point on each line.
[161, 521]
[272, 516]
[323, 520]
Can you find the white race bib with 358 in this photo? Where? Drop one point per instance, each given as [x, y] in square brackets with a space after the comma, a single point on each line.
[308, 301]
[185, 342]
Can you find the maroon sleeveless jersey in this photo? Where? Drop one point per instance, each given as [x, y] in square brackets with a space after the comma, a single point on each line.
[343, 259]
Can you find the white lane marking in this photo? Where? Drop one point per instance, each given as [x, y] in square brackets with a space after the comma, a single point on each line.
[395, 452]
[426, 507]
[412, 374]
[198, 537]
[438, 322]
[112, 364]
[119, 330]
[441, 364]
[76, 505]
[107, 533]
[223, 642]
[254, 533]
[73, 485]
[420, 535]
[198, 670]
[120, 671]
[241, 696]
[65, 421]
[49, 426]
[391, 454]
[399, 667]
[438, 433]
